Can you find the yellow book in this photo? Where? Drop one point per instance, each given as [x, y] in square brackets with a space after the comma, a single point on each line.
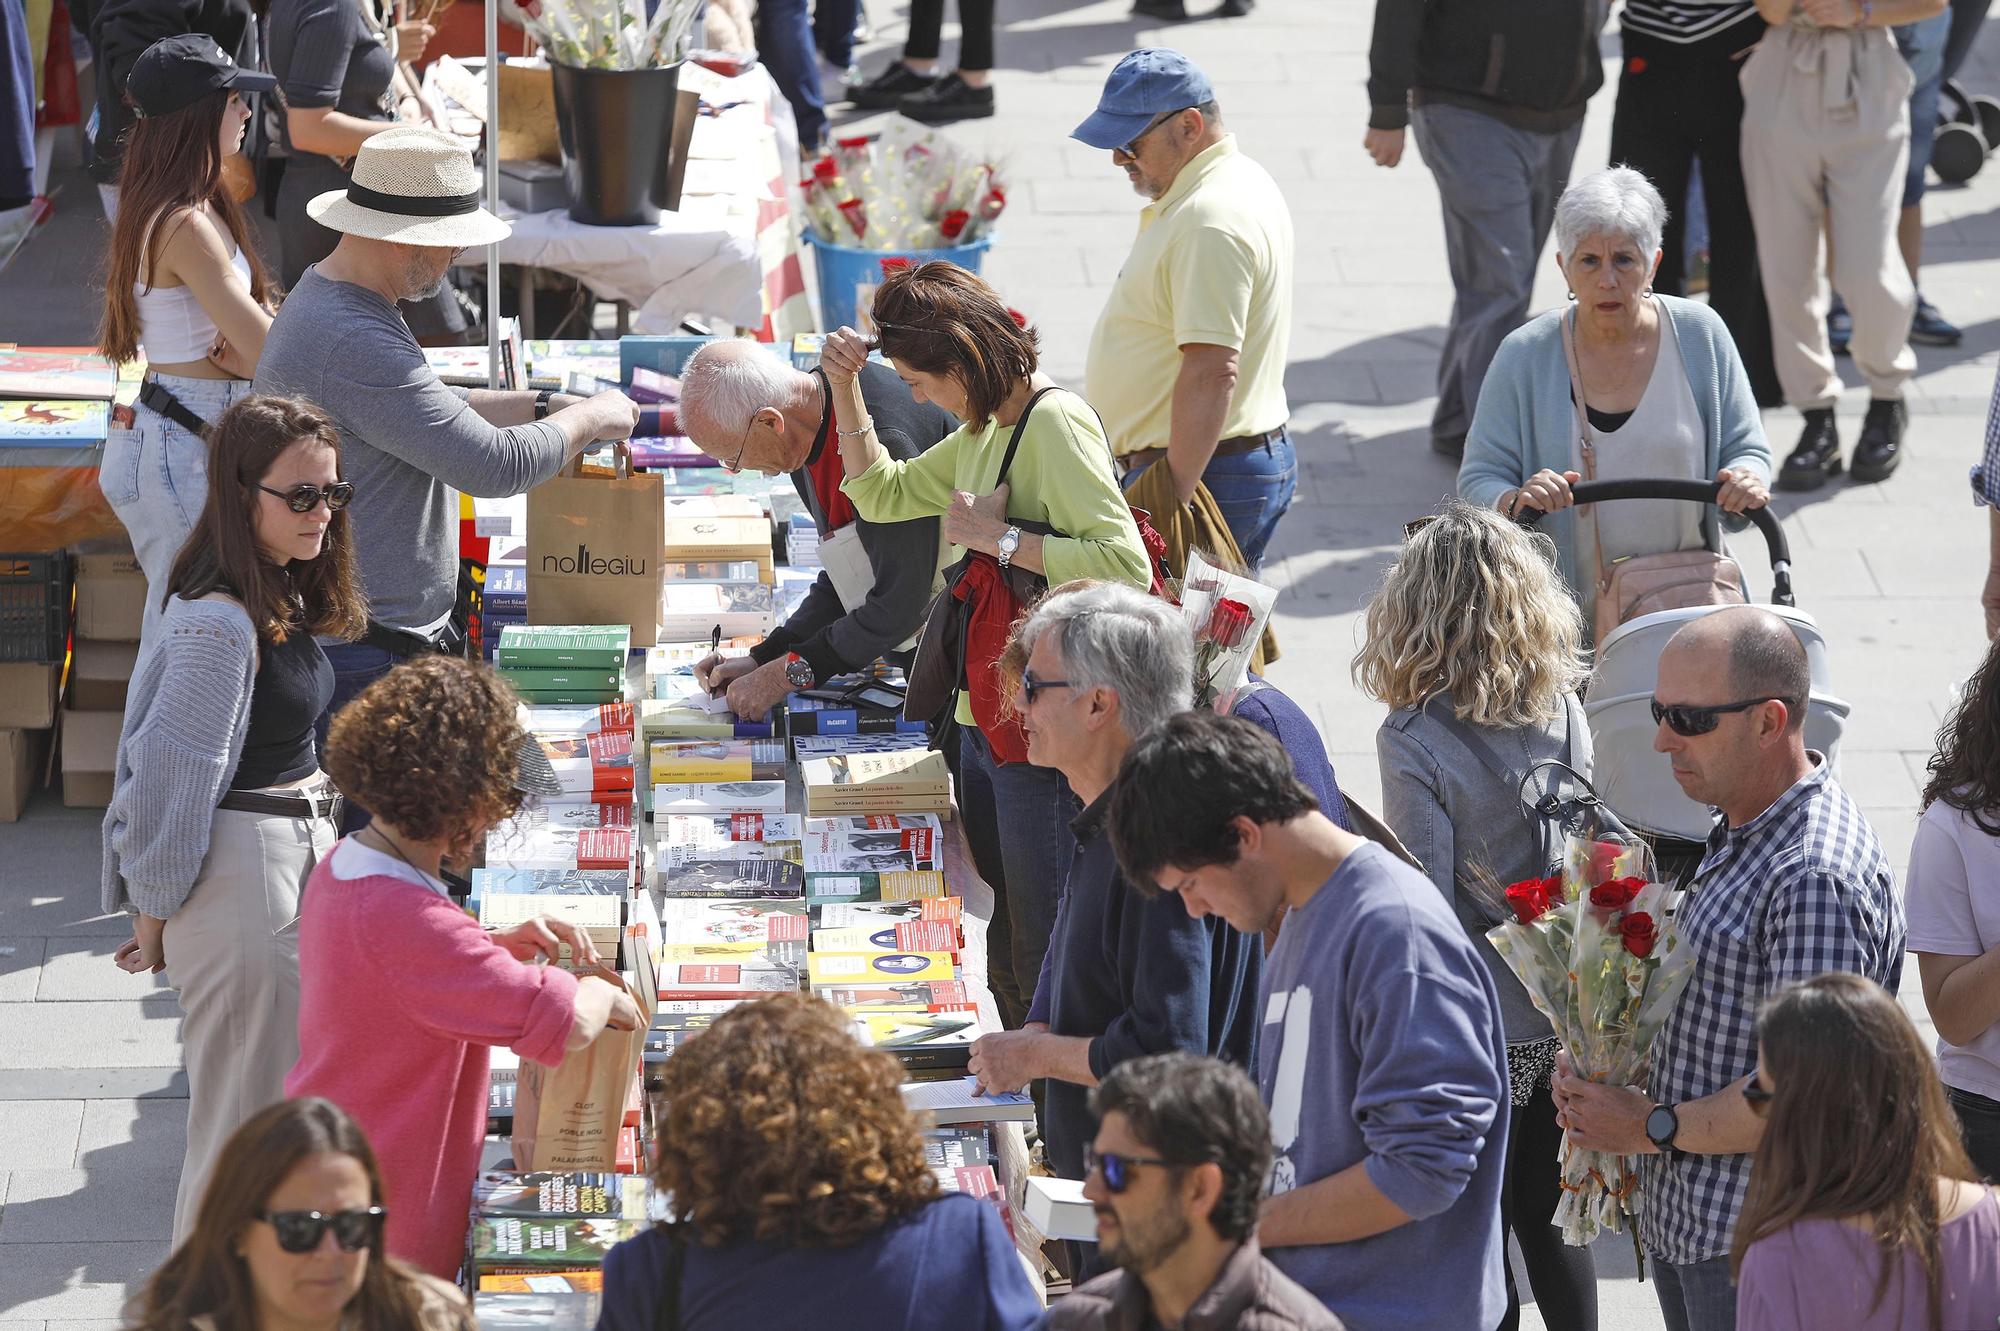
[847, 968]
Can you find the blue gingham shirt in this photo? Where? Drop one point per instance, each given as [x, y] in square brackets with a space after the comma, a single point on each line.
[1986, 476]
[1801, 889]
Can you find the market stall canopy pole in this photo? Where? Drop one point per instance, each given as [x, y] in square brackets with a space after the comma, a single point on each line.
[493, 191]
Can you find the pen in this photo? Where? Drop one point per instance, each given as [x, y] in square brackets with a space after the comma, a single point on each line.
[714, 646]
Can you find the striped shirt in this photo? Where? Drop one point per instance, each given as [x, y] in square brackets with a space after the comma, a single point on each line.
[1684, 22]
[1801, 889]
[1986, 476]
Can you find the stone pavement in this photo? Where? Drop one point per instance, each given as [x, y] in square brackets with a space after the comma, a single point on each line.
[91, 1107]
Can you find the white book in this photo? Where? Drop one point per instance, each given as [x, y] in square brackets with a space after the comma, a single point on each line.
[957, 1101]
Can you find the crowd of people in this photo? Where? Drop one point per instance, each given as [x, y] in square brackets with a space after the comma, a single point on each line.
[1278, 1052]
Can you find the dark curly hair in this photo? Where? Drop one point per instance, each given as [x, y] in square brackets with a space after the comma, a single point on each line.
[1965, 770]
[430, 748]
[940, 319]
[777, 1126]
[1191, 1111]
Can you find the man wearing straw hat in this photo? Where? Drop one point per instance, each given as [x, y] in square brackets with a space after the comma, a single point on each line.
[410, 208]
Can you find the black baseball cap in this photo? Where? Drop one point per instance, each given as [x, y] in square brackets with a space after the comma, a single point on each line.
[176, 72]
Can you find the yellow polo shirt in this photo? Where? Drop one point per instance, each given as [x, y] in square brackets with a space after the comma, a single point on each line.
[1212, 263]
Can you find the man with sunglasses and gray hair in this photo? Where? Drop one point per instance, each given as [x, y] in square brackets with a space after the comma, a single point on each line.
[1794, 884]
[751, 411]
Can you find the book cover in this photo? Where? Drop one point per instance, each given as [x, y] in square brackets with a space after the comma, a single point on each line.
[898, 936]
[822, 889]
[768, 878]
[610, 717]
[956, 1100]
[717, 537]
[564, 679]
[502, 1242]
[553, 1293]
[921, 1039]
[590, 764]
[819, 716]
[691, 762]
[578, 811]
[713, 570]
[910, 996]
[48, 421]
[731, 920]
[604, 848]
[507, 1192]
[603, 918]
[961, 1146]
[723, 797]
[723, 970]
[874, 914]
[51, 372]
[663, 719]
[879, 741]
[746, 836]
[698, 609]
[872, 845]
[492, 882]
[589, 647]
[850, 968]
[568, 697]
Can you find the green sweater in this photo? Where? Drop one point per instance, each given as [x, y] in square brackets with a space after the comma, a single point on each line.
[1061, 476]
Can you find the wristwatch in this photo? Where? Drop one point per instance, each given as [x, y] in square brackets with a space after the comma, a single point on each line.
[1661, 1126]
[1010, 541]
[797, 673]
[542, 402]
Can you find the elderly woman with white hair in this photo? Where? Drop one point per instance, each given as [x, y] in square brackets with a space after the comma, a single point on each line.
[1623, 383]
[1126, 974]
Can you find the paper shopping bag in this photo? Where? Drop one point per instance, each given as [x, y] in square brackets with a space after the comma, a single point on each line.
[570, 1116]
[594, 550]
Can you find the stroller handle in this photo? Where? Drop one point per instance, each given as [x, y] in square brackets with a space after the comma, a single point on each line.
[1695, 492]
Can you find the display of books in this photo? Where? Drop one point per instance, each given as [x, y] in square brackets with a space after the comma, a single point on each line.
[510, 1193]
[767, 878]
[578, 720]
[916, 995]
[514, 1243]
[729, 970]
[862, 845]
[56, 372]
[898, 936]
[913, 781]
[822, 889]
[698, 609]
[921, 1040]
[743, 836]
[590, 764]
[874, 914]
[580, 647]
[722, 797]
[732, 920]
[683, 762]
[850, 968]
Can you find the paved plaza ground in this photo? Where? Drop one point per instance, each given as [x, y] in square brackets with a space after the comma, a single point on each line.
[92, 1106]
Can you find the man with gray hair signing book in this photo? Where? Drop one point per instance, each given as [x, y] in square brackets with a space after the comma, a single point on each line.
[411, 207]
[751, 411]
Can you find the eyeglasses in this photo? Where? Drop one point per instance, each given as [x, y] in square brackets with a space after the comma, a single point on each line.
[300, 1231]
[1131, 149]
[1114, 1166]
[1688, 721]
[1756, 1094]
[1415, 525]
[735, 465]
[305, 498]
[1030, 686]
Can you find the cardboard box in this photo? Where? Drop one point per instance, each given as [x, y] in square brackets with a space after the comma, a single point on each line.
[20, 769]
[99, 675]
[110, 597]
[28, 694]
[89, 757]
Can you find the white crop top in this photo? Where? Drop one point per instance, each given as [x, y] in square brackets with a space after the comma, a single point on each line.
[174, 329]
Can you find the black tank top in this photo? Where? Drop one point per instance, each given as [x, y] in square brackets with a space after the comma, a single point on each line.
[293, 686]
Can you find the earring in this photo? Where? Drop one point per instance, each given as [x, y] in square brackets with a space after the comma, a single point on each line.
[1572, 295]
[1646, 291]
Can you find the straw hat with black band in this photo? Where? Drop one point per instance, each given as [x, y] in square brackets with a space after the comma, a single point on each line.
[411, 186]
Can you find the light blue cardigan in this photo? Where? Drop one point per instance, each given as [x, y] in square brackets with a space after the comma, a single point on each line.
[1524, 421]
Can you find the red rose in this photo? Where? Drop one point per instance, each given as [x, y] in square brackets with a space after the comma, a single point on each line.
[1531, 898]
[825, 169]
[1603, 861]
[1615, 893]
[953, 222]
[1640, 933]
[1228, 624]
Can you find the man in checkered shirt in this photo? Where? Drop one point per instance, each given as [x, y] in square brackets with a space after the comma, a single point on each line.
[1794, 884]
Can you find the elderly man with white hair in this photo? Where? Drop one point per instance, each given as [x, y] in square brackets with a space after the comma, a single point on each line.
[1124, 975]
[751, 411]
[1622, 383]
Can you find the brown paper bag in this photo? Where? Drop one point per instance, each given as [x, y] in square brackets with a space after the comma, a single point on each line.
[569, 1117]
[594, 547]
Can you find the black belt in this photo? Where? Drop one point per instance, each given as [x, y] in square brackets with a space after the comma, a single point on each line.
[283, 806]
[160, 400]
[406, 643]
[1226, 448]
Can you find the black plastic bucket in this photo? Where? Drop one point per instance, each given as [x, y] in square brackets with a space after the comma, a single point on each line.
[616, 127]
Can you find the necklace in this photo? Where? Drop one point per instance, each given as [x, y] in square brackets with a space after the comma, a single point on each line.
[429, 881]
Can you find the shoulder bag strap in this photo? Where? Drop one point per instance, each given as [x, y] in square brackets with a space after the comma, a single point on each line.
[667, 1317]
[1440, 711]
[1586, 441]
[1007, 462]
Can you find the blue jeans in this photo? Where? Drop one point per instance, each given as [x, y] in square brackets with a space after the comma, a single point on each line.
[1017, 819]
[355, 667]
[785, 42]
[833, 29]
[1253, 490]
[1696, 1297]
[1922, 44]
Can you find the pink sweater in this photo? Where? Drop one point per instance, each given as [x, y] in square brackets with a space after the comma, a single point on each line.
[400, 995]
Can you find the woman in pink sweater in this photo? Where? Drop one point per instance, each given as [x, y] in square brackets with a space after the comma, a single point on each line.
[401, 992]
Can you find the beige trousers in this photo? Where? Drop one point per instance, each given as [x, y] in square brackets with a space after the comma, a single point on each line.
[1826, 133]
[233, 953]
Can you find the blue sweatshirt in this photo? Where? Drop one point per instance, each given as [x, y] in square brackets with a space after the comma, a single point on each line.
[1134, 976]
[1382, 1044]
[1264, 706]
[947, 1266]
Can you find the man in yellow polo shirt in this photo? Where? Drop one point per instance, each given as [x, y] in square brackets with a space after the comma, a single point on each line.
[1187, 362]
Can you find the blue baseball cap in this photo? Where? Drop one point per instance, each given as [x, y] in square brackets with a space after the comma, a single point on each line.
[1141, 86]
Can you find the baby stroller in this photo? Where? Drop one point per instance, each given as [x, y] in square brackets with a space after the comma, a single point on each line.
[1634, 781]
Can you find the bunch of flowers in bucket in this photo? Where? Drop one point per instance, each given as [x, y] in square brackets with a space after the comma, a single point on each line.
[1604, 962]
[905, 188]
[610, 34]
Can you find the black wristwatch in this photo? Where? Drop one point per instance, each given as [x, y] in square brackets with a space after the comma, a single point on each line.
[797, 673]
[1661, 1126]
[542, 402]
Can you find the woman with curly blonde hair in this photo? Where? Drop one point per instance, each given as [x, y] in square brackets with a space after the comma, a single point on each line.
[1476, 643]
[401, 993]
[801, 1195]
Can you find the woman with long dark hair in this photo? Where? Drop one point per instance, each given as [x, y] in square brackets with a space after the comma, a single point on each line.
[219, 809]
[1954, 909]
[289, 1238]
[183, 285]
[1863, 1212]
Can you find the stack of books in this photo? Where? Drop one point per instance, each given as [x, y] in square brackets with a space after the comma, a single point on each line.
[721, 530]
[879, 857]
[504, 603]
[910, 781]
[577, 663]
[886, 964]
[802, 541]
[589, 826]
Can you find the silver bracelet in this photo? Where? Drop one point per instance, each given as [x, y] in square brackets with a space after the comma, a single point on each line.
[866, 426]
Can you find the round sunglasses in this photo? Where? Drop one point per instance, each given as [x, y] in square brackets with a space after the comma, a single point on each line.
[305, 498]
[1116, 1168]
[1688, 721]
[300, 1232]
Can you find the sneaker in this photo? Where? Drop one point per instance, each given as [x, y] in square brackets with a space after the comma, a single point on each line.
[1839, 326]
[950, 98]
[891, 86]
[1816, 460]
[1880, 448]
[1931, 329]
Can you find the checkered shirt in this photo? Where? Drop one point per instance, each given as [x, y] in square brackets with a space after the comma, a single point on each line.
[1801, 889]
[1986, 476]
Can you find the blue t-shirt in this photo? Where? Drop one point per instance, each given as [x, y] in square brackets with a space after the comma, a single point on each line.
[1382, 1043]
[947, 1266]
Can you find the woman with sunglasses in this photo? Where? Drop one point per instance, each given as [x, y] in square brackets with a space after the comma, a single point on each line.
[219, 810]
[289, 1238]
[1476, 644]
[800, 1195]
[1863, 1211]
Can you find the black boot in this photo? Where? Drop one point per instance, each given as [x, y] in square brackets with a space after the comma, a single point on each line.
[950, 98]
[891, 86]
[1817, 458]
[1881, 445]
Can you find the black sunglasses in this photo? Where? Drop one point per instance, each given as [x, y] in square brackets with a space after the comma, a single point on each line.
[1756, 1094]
[1131, 147]
[1032, 687]
[301, 1231]
[1687, 721]
[1113, 1166]
[305, 498]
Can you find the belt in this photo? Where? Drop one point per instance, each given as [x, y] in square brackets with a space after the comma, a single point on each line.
[403, 644]
[283, 806]
[1227, 448]
[160, 399]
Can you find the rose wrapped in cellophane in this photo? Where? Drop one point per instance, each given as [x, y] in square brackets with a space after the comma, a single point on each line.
[1597, 951]
[1226, 613]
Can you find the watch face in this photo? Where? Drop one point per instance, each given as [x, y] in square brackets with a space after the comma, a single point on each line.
[1661, 1125]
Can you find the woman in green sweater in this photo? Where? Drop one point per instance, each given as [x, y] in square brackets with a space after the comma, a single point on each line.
[956, 345]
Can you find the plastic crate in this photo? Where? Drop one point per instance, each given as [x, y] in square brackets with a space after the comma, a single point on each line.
[35, 594]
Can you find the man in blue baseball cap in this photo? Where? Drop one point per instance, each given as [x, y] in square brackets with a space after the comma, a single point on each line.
[1187, 362]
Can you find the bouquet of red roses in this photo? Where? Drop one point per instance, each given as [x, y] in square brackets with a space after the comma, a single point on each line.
[1599, 955]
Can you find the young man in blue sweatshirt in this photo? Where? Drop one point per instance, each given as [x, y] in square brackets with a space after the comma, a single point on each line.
[1381, 1055]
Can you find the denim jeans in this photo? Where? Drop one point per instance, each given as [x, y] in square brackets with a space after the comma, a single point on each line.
[1253, 490]
[1695, 1297]
[1922, 44]
[155, 476]
[1979, 1124]
[1017, 819]
[833, 30]
[785, 42]
[355, 666]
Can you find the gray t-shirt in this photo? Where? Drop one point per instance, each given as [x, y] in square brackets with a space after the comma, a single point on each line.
[326, 53]
[407, 441]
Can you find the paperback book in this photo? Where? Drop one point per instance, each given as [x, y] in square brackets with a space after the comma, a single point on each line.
[56, 372]
[921, 1040]
[722, 797]
[901, 936]
[531, 680]
[731, 920]
[880, 741]
[600, 917]
[515, 1243]
[598, 764]
[882, 844]
[540, 1303]
[506, 1192]
[901, 996]
[491, 882]
[745, 836]
[856, 968]
[586, 647]
[699, 609]
[610, 717]
[761, 878]
[914, 781]
[729, 970]
[821, 716]
[875, 914]
[957, 1100]
[826, 889]
[687, 762]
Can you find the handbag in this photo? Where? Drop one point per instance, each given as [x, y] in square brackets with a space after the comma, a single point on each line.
[1641, 584]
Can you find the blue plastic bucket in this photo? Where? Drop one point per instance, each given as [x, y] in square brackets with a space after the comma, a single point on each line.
[843, 271]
